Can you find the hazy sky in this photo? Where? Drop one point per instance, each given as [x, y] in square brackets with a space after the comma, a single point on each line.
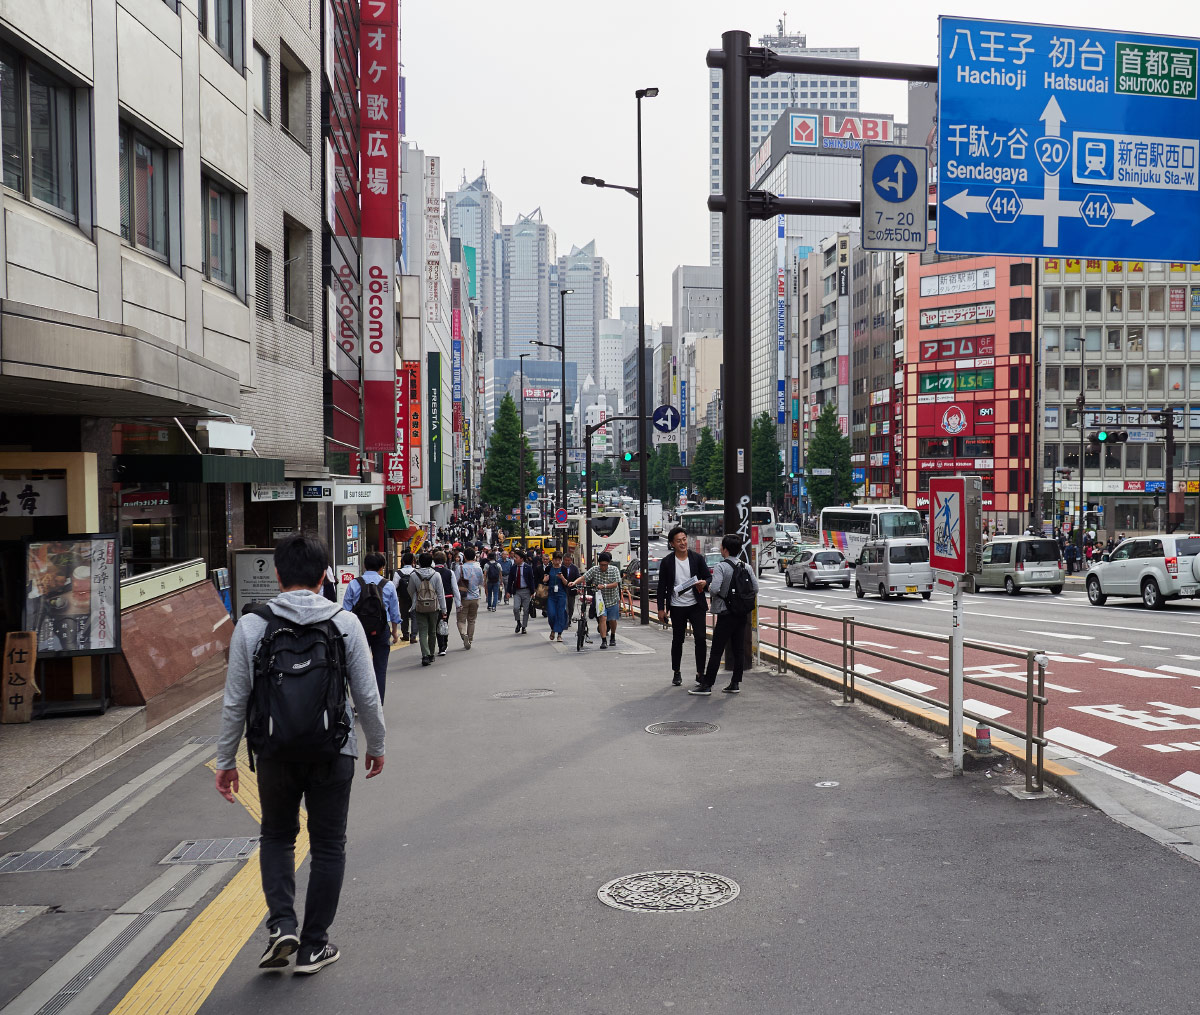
[543, 94]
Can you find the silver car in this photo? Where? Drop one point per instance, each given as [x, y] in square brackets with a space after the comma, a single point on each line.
[894, 567]
[1156, 568]
[818, 567]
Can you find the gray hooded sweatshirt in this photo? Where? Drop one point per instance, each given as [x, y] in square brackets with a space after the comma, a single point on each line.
[301, 607]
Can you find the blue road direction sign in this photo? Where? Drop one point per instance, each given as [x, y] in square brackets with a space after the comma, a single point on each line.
[541, 482]
[1067, 141]
[666, 418]
[533, 495]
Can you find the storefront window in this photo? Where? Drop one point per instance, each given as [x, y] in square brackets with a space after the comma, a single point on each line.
[160, 525]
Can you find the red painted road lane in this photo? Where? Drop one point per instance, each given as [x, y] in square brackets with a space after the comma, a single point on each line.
[1144, 719]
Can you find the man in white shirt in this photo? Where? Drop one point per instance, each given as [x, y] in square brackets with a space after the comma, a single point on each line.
[682, 578]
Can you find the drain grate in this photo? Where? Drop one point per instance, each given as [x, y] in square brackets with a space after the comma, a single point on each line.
[44, 860]
[204, 740]
[681, 729]
[668, 892]
[211, 850]
[528, 692]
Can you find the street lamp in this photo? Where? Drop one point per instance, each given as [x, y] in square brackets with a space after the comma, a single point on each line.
[562, 351]
[642, 417]
[521, 443]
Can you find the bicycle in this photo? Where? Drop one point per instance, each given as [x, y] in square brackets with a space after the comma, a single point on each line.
[586, 597]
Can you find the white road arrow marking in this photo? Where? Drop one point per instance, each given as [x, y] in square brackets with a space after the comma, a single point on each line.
[1053, 115]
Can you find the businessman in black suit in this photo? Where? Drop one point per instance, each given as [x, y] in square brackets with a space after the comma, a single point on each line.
[686, 606]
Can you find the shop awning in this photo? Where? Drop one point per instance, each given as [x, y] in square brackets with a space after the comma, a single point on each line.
[197, 469]
[397, 517]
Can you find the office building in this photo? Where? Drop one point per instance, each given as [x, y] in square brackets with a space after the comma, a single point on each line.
[530, 253]
[474, 214]
[585, 273]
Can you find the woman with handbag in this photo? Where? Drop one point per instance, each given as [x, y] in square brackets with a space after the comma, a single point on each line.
[556, 597]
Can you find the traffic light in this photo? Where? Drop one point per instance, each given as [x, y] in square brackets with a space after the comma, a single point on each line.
[631, 460]
[1100, 438]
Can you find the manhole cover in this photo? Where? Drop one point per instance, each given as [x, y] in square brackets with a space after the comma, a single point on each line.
[43, 860]
[681, 729]
[668, 892]
[529, 692]
[211, 850]
[824, 785]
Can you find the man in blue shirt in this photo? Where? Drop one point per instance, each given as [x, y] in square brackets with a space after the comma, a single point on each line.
[375, 609]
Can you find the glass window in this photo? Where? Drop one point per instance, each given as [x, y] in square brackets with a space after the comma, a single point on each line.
[1154, 456]
[1135, 299]
[1154, 379]
[1116, 299]
[1091, 339]
[1134, 378]
[1112, 380]
[143, 167]
[221, 24]
[1175, 342]
[1052, 300]
[1070, 340]
[37, 124]
[1113, 340]
[1175, 379]
[1158, 299]
[219, 241]
[1194, 378]
[1091, 299]
[1112, 456]
[1070, 378]
[1133, 458]
[1134, 341]
[1071, 300]
[1050, 455]
[262, 82]
[1071, 455]
[1155, 337]
[1093, 378]
[1051, 337]
[297, 274]
[1052, 378]
[1194, 340]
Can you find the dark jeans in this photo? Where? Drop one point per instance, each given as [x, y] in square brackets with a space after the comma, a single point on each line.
[324, 787]
[407, 628]
[381, 649]
[681, 616]
[729, 630]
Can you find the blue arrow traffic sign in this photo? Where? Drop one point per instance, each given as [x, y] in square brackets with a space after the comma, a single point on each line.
[541, 481]
[666, 418]
[1067, 141]
[533, 494]
[894, 178]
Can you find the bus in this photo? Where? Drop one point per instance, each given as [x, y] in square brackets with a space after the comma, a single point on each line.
[848, 528]
[705, 527]
[609, 531]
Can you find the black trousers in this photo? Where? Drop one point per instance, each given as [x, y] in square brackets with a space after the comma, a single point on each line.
[729, 630]
[324, 787]
[681, 616]
[381, 650]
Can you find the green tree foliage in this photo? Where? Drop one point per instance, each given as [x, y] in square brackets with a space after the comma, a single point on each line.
[716, 472]
[501, 471]
[766, 475]
[658, 474]
[702, 467]
[829, 449]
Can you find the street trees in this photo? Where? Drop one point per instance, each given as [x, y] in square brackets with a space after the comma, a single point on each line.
[702, 467]
[501, 471]
[658, 473]
[766, 468]
[829, 449]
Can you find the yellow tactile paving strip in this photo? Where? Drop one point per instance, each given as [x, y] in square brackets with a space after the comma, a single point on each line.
[183, 977]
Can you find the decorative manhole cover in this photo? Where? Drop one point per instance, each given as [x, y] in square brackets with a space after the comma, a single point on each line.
[681, 729]
[668, 892]
[825, 785]
[528, 692]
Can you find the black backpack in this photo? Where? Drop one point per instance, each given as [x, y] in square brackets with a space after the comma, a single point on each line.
[740, 597]
[369, 608]
[297, 706]
[493, 572]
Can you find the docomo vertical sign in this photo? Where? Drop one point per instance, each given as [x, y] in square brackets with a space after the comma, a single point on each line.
[379, 190]
[955, 535]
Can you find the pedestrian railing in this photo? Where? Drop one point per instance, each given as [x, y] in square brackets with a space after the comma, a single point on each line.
[1033, 694]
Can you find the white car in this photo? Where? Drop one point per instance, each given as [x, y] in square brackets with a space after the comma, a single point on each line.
[1156, 568]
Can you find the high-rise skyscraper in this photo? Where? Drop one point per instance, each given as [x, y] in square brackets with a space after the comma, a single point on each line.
[586, 273]
[473, 213]
[769, 97]
[530, 251]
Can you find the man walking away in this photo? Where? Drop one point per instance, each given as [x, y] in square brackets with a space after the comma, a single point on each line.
[299, 753]
[429, 605]
[405, 599]
[470, 581]
[606, 577]
[682, 578]
[570, 576]
[734, 590]
[450, 590]
[494, 576]
[520, 589]
[506, 566]
[374, 602]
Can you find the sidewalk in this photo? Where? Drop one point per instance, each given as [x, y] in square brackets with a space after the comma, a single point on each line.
[870, 880]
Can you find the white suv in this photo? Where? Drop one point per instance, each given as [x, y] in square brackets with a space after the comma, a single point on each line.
[1157, 568]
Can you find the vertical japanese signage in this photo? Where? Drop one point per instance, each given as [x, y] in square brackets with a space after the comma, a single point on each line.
[780, 321]
[379, 190]
[433, 240]
[411, 371]
[456, 351]
[435, 426]
[398, 464]
[343, 170]
[18, 688]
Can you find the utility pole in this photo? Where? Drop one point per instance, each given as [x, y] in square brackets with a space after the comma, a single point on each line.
[521, 445]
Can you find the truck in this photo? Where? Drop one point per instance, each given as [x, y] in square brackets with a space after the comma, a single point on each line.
[654, 517]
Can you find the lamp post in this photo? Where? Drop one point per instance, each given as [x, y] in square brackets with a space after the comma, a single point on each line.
[521, 444]
[642, 416]
[561, 348]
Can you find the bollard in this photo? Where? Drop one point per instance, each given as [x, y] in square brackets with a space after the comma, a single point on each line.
[983, 740]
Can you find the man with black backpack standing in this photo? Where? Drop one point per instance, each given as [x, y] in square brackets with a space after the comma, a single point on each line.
[373, 601]
[290, 661]
[734, 590]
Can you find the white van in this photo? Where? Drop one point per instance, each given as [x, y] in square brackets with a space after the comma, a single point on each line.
[894, 567]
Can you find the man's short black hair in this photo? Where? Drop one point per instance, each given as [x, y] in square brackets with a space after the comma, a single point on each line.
[373, 561]
[673, 533]
[604, 556]
[732, 543]
[425, 560]
[406, 560]
[301, 560]
[469, 553]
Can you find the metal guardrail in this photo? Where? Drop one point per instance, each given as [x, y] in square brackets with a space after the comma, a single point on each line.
[1034, 694]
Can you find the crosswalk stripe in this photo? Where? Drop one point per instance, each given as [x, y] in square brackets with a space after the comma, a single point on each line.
[1079, 742]
[912, 685]
[1189, 781]
[1144, 674]
[983, 708]
[1101, 658]
[1060, 634]
[1182, 670]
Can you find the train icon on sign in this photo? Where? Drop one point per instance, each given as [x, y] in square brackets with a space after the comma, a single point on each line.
[1094, 159]
[1094, 156]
